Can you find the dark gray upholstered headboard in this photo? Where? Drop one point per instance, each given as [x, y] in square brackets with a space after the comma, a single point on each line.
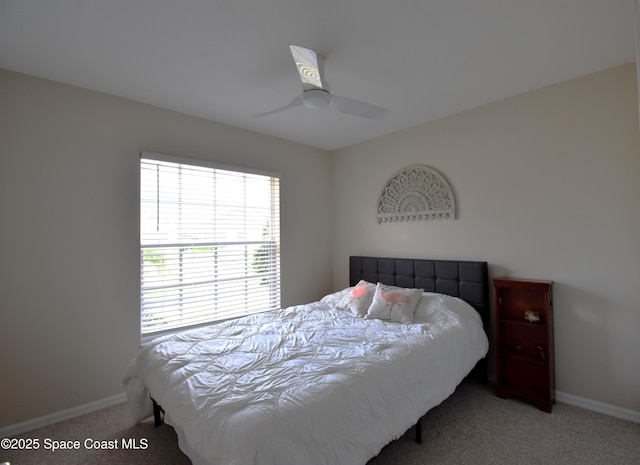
[468, 280]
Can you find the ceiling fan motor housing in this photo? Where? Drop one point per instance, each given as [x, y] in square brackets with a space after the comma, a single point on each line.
[316, 98]
[315, 94]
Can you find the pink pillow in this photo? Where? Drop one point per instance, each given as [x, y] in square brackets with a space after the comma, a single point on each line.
[359, 299]
[394, 303]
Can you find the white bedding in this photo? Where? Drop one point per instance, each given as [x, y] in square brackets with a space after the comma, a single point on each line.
[308, 385]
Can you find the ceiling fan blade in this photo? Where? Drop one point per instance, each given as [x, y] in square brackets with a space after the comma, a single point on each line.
[358, 108]
[309, 65]
[294, 103]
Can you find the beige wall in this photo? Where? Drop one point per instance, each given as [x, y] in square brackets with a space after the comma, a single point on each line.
[547, 186]
[69, 234]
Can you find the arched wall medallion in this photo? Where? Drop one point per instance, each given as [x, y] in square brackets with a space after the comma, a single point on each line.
[416, 193]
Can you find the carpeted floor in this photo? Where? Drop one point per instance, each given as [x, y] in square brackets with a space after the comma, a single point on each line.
[471, 427]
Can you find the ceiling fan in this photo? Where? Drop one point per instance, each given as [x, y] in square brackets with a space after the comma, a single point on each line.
[315, 93]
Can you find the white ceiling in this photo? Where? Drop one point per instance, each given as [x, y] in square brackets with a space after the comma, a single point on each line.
[225, 60]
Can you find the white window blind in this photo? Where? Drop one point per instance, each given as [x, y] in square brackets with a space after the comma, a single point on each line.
[209, 243]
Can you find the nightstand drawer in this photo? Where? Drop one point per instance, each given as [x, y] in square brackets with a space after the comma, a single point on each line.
[524, 340]
[522, 372]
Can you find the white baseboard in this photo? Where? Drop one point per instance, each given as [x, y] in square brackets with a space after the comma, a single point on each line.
[62, 415]
[593, 405]
[600, 407]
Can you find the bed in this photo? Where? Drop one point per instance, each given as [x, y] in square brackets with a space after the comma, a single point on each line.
[320, 384]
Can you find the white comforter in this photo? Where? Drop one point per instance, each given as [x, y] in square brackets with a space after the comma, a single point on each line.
[307, 385]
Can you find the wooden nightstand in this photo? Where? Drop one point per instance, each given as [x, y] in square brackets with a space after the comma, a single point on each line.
[524, 340]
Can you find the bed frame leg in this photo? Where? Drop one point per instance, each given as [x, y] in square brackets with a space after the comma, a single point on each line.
[419, 431]
[157, 413]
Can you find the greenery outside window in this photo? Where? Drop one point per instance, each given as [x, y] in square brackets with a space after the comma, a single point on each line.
[209, 243]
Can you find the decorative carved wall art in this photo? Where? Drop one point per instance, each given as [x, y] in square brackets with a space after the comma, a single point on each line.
[416, 193]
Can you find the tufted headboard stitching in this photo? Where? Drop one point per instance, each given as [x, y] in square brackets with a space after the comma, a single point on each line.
[468, 280]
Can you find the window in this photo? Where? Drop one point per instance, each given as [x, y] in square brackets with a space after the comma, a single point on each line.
[209, 243]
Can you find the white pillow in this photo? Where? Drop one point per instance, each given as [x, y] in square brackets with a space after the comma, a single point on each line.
[394, 303]
[427, 305]
[359, 299]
